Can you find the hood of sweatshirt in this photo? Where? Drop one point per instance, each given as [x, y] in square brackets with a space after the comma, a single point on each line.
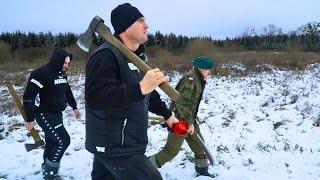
[57, 60]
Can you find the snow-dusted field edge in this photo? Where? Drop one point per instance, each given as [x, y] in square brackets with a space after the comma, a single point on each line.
[257, 127]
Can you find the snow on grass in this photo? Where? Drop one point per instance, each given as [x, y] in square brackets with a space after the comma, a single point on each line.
[257, 127]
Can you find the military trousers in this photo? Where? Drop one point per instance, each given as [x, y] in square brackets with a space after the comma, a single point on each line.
[174, 143]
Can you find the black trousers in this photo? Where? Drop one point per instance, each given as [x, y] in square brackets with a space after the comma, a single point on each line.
[56, 136]
[133, 167]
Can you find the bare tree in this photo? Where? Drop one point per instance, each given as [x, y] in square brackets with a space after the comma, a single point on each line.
[272, 30]
[249, 32]
[309, 28]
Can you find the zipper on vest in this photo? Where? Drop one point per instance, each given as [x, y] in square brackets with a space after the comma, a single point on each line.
[122, 132]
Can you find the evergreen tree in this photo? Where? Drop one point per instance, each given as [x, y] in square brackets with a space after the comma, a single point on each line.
[70, 39]
[172, 42]
[60, 41]
[160, 39]
[42, 39]
[33, 39]
[151, 40]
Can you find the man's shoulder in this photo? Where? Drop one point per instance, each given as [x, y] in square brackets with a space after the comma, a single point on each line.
[187, 81]
[42, 71]
[191, 77]
[102, 53]
[39, 76]
[104, 49]
[102, 59]
[191, 80]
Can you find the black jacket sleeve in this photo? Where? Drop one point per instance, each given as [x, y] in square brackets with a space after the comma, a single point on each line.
[70, 98]
[103, 85]
[33, 87]
[157, 106]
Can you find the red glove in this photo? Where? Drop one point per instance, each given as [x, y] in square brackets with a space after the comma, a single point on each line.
[180, 128]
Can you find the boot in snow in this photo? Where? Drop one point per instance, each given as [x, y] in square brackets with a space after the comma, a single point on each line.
[201, 167]
[50, 170]
[203, 171]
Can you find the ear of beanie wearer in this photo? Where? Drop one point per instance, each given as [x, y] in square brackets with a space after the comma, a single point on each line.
[123, 16]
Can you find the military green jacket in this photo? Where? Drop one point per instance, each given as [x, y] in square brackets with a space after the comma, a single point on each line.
[190, 87]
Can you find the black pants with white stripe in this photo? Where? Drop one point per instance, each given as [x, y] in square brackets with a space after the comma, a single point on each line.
[56, 136]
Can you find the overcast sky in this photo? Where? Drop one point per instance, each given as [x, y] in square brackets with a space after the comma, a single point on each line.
[215, 18]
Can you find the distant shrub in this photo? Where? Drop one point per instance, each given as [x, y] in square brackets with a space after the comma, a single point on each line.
[5, 53]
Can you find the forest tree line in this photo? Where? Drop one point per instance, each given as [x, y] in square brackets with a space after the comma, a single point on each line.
[305, 38]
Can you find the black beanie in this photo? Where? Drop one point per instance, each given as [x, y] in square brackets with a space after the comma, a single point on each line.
[123, 16]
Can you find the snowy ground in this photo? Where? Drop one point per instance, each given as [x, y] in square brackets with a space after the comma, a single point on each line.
[257, 127]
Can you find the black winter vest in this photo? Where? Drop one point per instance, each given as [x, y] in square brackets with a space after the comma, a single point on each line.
[121, 130]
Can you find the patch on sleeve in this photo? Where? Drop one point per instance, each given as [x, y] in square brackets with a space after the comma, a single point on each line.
[37, 83]
[190, 80]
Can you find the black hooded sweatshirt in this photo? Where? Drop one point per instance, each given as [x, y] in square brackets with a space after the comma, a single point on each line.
[52, 86]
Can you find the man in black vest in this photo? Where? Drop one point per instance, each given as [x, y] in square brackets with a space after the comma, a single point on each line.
[118, 98]
[50, 82]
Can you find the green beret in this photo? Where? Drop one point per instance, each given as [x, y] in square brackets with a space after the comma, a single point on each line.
[203, 62]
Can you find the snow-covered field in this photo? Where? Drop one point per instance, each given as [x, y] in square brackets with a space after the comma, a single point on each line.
[257, 127]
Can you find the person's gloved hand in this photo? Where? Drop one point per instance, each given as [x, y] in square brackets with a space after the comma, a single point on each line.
[180, 128]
